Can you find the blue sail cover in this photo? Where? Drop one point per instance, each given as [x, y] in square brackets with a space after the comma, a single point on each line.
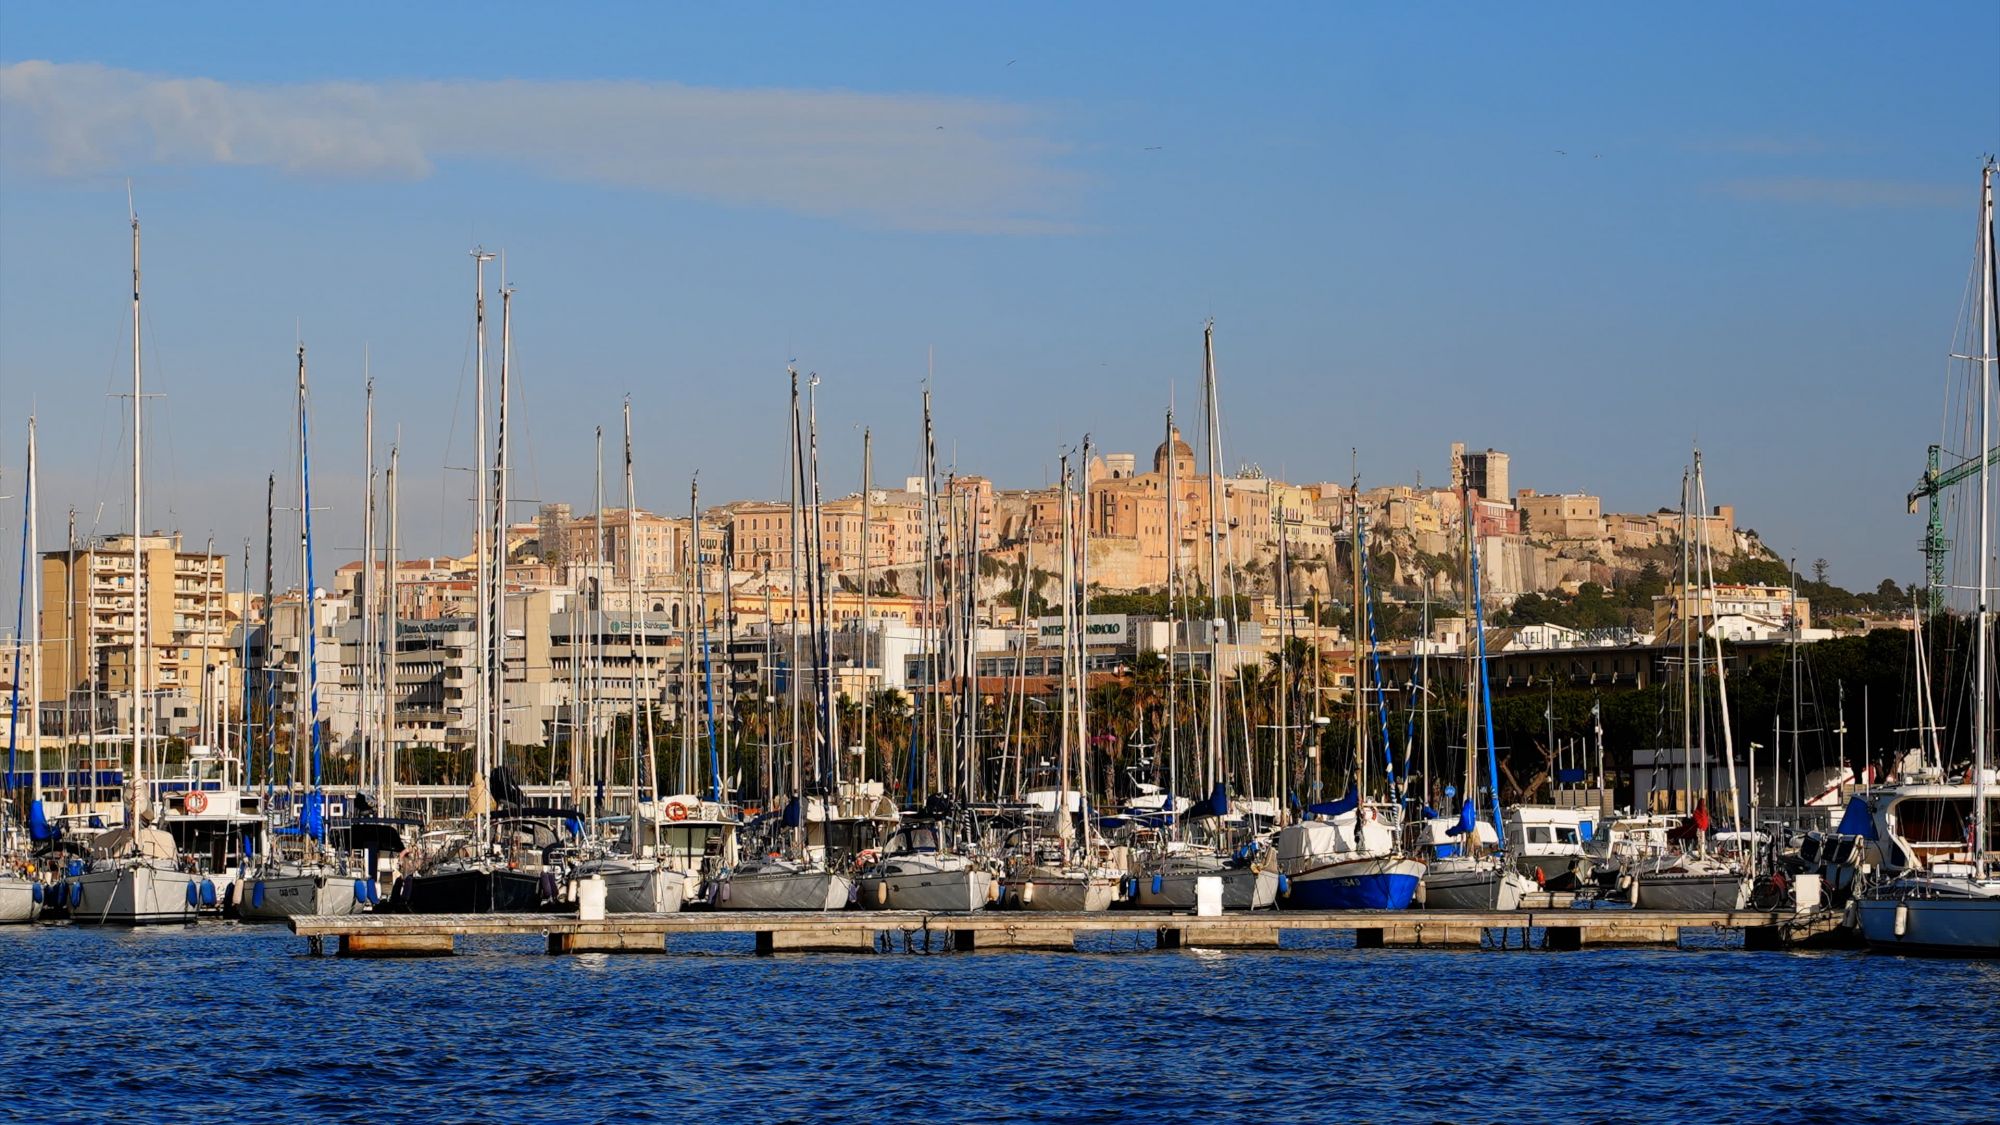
[1468, 815]
[1334, 808]
[312, 814]
[1215, 804]
[38, 822]
[793, 816]
[1858, 820]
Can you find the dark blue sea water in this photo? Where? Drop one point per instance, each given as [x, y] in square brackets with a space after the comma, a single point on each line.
[225, 1023]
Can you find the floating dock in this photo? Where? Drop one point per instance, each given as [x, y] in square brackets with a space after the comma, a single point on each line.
[886, 931]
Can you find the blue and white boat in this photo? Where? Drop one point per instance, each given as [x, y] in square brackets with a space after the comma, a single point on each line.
[1347, 857]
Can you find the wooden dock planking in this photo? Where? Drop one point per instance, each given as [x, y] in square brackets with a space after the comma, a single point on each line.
[868, 930]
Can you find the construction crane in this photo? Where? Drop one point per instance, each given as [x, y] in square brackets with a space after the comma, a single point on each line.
[1934, 484]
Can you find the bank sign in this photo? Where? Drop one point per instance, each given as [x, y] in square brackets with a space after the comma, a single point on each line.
[1098, 629]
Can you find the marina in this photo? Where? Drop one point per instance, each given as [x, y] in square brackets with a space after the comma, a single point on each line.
[1008, 564]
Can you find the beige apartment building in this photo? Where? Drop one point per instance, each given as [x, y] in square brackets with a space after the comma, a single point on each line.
[187, 617]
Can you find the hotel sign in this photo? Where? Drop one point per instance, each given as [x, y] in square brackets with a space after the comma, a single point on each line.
[1098, 629]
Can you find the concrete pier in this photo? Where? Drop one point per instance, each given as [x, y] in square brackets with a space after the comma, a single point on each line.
[891, 931]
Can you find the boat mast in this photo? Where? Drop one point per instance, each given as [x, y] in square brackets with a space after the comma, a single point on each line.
[636, 605]
[1173, 530]
[867, 525]
[1357, 623]
[498, 712]
[1470, 794]
[140, 654]
[482, 730]
[932, 641]
[1212, 771]
[707, 657]
[270, 616]
[308, 679]
[388, 640]
[826, 762]
[1687, 661]
[1082, 634]
[600, 768]
[792, 622]
[367, 648]
[1989, 312]
[1069, 626]
[1721, 670]
[30, 596]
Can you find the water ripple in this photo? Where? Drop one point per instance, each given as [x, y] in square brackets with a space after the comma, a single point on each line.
[227, 1023]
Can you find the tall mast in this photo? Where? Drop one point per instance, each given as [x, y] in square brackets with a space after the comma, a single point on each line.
[1069, 628]
[31, 603]
[140, 720]
[498, 711]
[1687, 662]
[1470, 794]
[367, 648]
[827, 763]
[270, 599]
[389, 667]
[1989, 312]
[482, 731]
[931, 641]
[867, 524]
[1170, 739]
[1212, 771]
[1357, 621]
[637, 605]
[792, 625]
[308, 694]
[600, 769]
[707, 658]
[1082, 634]
[1721, 670]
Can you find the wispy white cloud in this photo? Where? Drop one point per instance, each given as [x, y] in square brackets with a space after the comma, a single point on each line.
[1840, 192]
[908, 161]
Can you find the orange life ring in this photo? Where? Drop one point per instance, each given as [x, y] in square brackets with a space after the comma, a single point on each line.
[676, 811]
[1541, 880]
[196, 801]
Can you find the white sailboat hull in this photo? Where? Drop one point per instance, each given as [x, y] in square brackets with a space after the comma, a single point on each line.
[964, 890]
[134, 895]
[1242, 889]
[274, 898]
[1671, 890]
[1484, 887]
[17, 901]
[637, 888]
[1950, 927]
[1066, 893]
[787, 890]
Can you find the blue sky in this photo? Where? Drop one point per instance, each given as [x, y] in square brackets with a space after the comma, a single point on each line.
[1588, 236]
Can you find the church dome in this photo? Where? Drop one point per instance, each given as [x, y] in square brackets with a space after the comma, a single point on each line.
[1183, 455]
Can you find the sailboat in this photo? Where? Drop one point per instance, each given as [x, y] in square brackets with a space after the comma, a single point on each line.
[1346, 854]
[1696, 878]
[135, 875]
[638, 875]
[1475, 876]
[21, 897]
[1170, 874]
[1951, 906]
[510, 859]
[930, 860]
[310, 880]
[807, 861]
[1062, 873]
